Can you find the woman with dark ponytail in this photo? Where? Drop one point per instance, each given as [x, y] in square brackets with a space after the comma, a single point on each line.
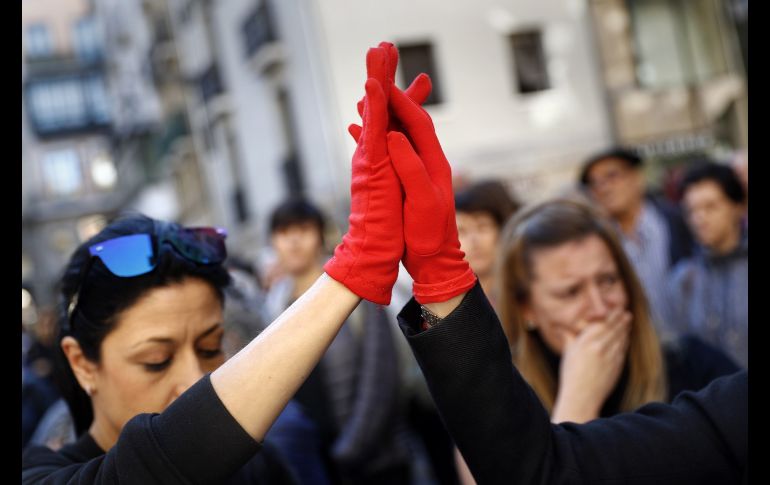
[102, 296]
[140, 322]
[152, 397]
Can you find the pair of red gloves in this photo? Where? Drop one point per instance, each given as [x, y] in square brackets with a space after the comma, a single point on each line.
[387, 225]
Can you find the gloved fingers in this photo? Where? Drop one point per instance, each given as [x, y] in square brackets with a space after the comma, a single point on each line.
[415, 120]
[408, 165]
[375, 120]
[425, 211]
[355, 131]
[418, 91]
[377, 64]
[392, 64]
[419, 128]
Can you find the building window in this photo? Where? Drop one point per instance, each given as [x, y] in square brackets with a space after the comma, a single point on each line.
[210, 83]
[38, 41]
[676, 42]
[739, 12]
[291, 164]
[418, 58]
[67, 104]
[258, 29]
[103, 171]
[86, 39]
[62, 173]
[529, 62]
[57, 105]
[96, 99]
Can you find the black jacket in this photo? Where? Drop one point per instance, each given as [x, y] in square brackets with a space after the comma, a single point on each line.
[681, 243]
[505, 434]
[690, 364]
[195, 440]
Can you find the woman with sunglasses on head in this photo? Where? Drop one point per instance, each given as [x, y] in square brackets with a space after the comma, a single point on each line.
[151, 395]
[141, 322]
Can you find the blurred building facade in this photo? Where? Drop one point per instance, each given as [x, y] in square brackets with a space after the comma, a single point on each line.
[675, 74]
[87, 109]
[211, 112]
[272, 85]
[523, 91]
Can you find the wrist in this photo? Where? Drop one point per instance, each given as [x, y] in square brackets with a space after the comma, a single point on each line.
[441, 286]
[575, 408]
[443, 308]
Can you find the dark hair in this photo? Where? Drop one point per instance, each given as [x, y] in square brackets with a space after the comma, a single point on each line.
[293, 211]
[620, 153]
[102, 296]
[489, 196]
[722, 175]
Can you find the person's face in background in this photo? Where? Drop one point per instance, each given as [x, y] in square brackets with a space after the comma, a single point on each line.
[478, 234]
[714, 218]
[615, 185]
[160, 346]
[574, 284]
[298, 247]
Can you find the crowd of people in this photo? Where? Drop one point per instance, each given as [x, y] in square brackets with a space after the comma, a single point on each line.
[527, 325]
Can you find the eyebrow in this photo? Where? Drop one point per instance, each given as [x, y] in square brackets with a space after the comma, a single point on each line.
[210, 330]
[168, 340]
[565, 287]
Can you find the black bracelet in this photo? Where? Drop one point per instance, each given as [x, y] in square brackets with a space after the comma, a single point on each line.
[431, 319]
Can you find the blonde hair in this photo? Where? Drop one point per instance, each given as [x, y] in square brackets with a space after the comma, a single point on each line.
[549, 224]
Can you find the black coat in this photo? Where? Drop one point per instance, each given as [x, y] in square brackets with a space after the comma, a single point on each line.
[506, 436]
[195, 440]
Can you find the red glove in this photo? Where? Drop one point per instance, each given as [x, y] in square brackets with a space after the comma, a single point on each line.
[433, 256]
[418, 91]
[366, 261]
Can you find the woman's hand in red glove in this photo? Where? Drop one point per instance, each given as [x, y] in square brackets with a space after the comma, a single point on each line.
[418, 91]
[366, 261]
[433, 256]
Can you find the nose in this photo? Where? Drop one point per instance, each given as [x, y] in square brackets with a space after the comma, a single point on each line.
[190, 372]
[597, 306]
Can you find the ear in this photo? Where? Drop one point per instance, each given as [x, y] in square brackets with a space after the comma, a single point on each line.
[528, 315]
[739, 210]
[84, 369]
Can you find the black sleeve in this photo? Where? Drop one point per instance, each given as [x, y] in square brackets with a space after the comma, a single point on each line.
[505, 434]
[195, 440]
[693, 363]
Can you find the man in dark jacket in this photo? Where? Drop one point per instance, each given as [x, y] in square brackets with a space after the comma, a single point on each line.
[709, 292]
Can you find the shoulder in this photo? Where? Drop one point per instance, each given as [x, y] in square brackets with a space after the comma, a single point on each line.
[692, 363]
[267, 466]
[684, 269]
[663, 206]
[42, 455]
[39, 462]
[690, 346]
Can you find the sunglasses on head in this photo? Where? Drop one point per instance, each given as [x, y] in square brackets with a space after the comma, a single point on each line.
[137, 254]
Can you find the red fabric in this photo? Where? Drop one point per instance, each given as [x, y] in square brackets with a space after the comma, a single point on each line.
[366, 261]
[433, 256]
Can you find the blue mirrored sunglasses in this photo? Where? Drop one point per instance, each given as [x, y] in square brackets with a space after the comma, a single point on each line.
[135, 255]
